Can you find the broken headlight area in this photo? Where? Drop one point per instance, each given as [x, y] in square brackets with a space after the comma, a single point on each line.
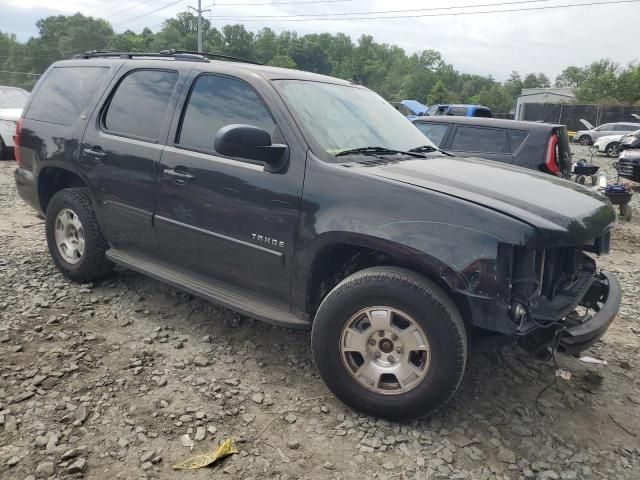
[558, 293]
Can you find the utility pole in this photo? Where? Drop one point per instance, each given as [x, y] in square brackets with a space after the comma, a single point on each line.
[200, 11]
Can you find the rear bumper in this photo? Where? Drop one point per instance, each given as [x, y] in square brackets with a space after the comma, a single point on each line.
[580, 333]
[27, 188]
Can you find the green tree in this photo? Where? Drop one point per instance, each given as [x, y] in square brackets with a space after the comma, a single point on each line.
[284, 61]
[570, 77]
[600, 84]
[439, 93]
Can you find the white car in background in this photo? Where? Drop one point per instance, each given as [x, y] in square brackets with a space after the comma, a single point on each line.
[12, 100]
[610, 144]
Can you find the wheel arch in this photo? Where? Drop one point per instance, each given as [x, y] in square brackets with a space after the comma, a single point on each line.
[342, 255]
[52, 179]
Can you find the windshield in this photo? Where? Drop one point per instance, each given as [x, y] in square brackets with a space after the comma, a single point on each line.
[13, 97]
[340, 117]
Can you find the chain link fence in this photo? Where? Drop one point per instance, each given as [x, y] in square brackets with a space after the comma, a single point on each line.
[570, 115]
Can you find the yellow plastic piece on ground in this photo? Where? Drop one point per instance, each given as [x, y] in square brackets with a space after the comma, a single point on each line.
[226, 448]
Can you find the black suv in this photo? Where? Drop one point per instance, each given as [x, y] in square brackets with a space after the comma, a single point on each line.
[308, 201]
[539, 146]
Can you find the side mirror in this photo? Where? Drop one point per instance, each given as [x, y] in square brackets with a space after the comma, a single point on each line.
[252, 143]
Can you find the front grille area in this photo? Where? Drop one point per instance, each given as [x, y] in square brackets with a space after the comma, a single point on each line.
[547, 272]
[627, 168]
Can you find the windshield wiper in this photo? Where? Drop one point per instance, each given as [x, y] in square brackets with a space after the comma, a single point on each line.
[377, 151]
[430, 148]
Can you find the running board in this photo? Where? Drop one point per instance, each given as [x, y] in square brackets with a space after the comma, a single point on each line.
[216, 292]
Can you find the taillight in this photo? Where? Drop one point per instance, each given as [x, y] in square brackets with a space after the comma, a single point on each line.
[16, 141]
[552, 156]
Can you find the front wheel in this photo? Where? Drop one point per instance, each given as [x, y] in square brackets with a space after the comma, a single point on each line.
[584, 140]
[75, 240]
[613, 149]
[390, 343]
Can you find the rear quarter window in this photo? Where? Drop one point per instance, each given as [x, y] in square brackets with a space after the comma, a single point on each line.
[65, 93]
[516, 137]
[479, 139]
[458, 111]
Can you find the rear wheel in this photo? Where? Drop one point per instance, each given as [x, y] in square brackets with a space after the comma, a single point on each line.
[581, 179]
[390, 343]
[4, 151]
[75, 241]
[626, 212]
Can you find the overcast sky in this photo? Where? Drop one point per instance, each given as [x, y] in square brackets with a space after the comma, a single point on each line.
[495, 43]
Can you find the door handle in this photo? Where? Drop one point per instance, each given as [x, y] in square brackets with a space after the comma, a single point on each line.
[179, 174]
[95, 152]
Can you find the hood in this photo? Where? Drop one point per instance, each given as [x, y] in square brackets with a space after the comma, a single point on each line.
[10, 114]
[586, 124]
[560, 209]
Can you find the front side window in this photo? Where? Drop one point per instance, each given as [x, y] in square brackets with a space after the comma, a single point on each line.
[516, 137]
[65, 93]
[342, 117]
[475, 139]
[217, 101]
[139, 106]
[433, 131]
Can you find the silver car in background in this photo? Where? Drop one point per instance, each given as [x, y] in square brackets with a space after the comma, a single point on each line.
[12, 100]
[589, 136]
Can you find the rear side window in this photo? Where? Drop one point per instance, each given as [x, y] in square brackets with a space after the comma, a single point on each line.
[483, 113]
[139, 106]
[217, 101]
[516, 137]
[475, 139]
[433, 131]
[65, 93]
[458, 111]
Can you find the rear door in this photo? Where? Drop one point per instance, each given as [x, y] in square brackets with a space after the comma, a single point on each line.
[436, 132]
[121, 150]
[224, 218]
[482, 142]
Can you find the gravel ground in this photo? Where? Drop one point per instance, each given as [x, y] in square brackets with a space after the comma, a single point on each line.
[103, 381]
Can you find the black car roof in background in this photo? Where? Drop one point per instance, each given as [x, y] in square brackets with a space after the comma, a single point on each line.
[487, 122]
[267, 72]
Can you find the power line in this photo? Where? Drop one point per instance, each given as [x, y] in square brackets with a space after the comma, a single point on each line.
[281, 3]
[21, 73]
[308, 18]
[148, 13]
[399, 11]
[121, 11]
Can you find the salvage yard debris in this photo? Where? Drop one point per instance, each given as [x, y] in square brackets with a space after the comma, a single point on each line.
[225, 449]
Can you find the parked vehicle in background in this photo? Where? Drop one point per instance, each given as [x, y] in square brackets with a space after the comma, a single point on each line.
[589, 136]
[12, 100]
[628, 165]
[539, 146]
[460, 110]
[608, 145]
[309, 201]
[411, 108]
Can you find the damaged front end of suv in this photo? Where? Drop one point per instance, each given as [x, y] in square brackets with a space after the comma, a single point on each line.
[558, 296]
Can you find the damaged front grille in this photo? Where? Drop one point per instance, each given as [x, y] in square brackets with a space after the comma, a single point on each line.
[548, 283]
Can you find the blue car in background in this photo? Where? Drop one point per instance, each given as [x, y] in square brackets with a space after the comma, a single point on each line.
[411, 109]
[459, 110]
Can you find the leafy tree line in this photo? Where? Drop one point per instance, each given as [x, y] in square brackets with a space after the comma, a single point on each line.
[387, 69]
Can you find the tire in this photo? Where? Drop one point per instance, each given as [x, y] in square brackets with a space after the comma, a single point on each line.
[626, 212]
[92, 264]
[413, 296]
[581, 179]
[585, 140]
[612, 149]
[4, 151]
[594, 180]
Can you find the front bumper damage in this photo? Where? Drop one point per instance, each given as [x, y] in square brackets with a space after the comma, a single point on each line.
[603, 298]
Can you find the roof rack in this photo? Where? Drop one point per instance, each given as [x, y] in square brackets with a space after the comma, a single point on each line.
[184, 55]
[213, 56]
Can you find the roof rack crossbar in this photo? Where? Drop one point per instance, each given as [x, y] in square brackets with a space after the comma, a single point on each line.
[175, 54]
[212, 56]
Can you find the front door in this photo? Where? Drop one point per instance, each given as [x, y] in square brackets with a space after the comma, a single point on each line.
[120, 153]
[226, 218]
